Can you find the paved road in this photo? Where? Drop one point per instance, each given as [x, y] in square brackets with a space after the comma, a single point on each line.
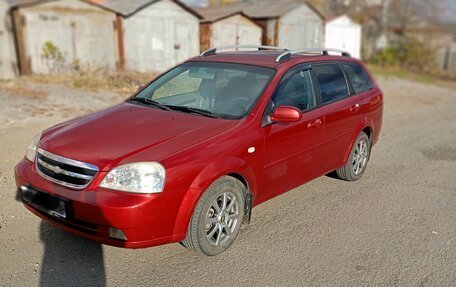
[395, 226]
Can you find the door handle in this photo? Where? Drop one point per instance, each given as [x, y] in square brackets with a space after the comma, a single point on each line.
[354, 108]
[314, 123]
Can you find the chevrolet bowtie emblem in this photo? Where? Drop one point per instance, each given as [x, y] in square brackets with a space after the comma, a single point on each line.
[55, 169]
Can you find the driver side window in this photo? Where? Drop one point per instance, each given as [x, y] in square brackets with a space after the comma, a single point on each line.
[297, 92]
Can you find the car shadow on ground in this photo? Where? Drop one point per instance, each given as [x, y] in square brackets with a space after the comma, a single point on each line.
[332, 174]
[69, 260]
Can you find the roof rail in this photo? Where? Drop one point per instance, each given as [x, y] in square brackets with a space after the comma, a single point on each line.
[287, 55]
[213, 51]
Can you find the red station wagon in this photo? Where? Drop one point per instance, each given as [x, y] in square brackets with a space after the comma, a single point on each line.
[188, 156]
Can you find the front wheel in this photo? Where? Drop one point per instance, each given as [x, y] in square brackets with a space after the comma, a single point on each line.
[217, 218]
[357, 162]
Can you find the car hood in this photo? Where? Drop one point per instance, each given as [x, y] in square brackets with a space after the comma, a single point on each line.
[109, 136]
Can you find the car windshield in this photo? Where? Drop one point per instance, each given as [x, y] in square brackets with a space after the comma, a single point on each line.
[209, 89]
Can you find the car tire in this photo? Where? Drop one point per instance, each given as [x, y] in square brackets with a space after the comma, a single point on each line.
[357, 162]
[217, 218]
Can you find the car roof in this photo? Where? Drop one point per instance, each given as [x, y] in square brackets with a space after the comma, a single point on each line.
[265, 58]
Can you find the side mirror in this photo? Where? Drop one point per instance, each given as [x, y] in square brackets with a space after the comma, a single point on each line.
[286, 114]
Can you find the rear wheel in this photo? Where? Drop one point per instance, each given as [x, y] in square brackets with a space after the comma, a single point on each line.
[217, 218]
[357, 162]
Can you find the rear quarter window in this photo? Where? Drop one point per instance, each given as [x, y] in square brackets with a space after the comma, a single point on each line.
[357, 76]
[331, 81]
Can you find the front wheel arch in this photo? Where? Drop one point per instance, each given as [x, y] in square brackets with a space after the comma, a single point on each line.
[224, 218]
[202, 182]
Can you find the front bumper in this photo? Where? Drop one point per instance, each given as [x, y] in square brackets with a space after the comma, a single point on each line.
[146, 220]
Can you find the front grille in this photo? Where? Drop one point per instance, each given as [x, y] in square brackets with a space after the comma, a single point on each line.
[64, 171]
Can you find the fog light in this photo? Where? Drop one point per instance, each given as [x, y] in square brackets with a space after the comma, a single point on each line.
[117, 234]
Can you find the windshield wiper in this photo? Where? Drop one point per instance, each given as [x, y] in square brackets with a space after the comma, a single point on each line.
[150, 103]
[192, 110]
[173, 107]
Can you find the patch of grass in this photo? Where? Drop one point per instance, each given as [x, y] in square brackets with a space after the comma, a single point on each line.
[15, 88]
[122, 82]
[401, 73]
[434, 77]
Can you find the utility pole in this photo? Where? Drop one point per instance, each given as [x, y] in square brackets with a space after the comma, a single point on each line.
[384, 20]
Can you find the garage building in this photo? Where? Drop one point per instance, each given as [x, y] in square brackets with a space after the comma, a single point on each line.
[8, 63]
[154, 35]
[65, 35]
[344, 34]
[224, 28]
[285, 23]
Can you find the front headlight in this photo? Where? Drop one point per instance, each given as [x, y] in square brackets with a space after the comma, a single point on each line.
[138, 177]
[30, 154]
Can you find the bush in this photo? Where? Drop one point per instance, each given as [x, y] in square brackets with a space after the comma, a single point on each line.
[409, 53]
[390, 56]
[418, 55]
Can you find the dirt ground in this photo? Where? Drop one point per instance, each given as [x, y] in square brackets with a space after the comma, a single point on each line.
[397, 225]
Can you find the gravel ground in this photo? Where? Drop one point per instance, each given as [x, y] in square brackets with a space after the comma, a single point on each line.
[396, 226]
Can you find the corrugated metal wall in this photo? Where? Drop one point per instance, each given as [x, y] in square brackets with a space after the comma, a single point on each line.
[205, 36]
[301, 28]
[235, 30]
[452, 60]
[271, 32]
[160, 36]
[448, 57]
[66, 35]
[8, 65]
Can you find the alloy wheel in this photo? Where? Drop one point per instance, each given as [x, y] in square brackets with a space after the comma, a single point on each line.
[222, 218]
[360, 157]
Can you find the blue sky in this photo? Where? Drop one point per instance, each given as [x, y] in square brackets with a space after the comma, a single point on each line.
[196, 2]
[452, 17]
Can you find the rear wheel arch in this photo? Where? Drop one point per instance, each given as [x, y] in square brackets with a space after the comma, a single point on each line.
[368, 131]
[369, 127]
[365, 127]
[359, 157]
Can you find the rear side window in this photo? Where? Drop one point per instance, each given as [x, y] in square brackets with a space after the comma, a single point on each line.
[357, 76]
[331, 82]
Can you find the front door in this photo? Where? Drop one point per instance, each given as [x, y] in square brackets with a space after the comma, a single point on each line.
[294, 150]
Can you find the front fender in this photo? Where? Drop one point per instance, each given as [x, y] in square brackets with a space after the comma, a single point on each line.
[209, 174]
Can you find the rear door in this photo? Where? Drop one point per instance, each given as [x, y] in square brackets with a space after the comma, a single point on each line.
[361, 85]
[341, 112]
[294, 150]
[370, 97]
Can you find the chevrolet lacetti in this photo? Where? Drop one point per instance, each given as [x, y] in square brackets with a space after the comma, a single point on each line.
[187, 157]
